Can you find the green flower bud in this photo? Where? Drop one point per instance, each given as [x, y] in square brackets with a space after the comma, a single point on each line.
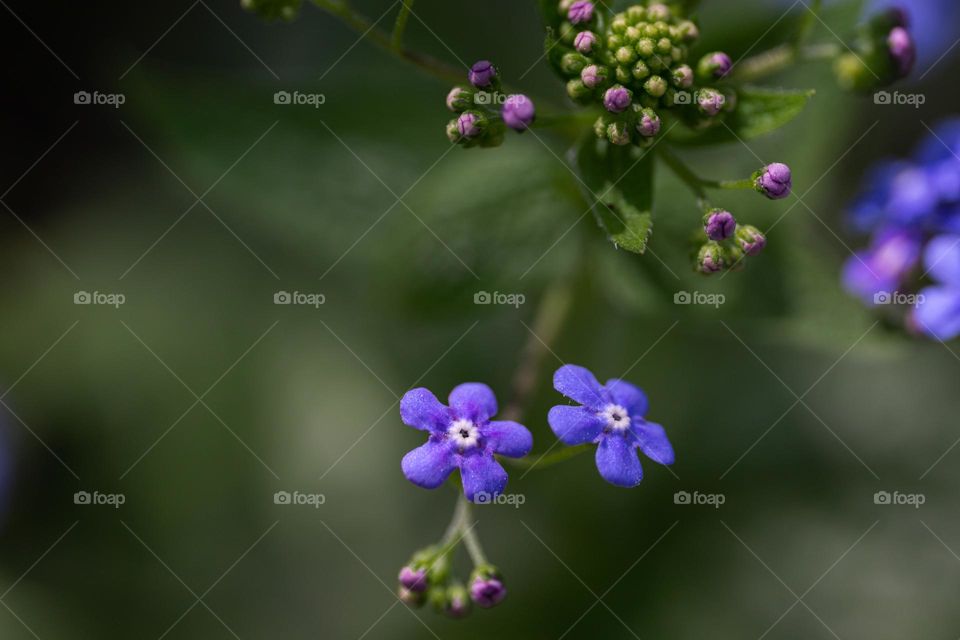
[655, 86]
[640, 70]
[578, 91]
[573, 63]
[626, 55]
[618, 133]
[664, 46]
[623, 75]
[710, 258]
[636, 13]
[619, 25]
[646, 47]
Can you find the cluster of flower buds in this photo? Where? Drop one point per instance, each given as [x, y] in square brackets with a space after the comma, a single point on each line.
[728, 243]
[273, 9]
[485, 112]
[636, 67]
[884, 52]
[427, 578]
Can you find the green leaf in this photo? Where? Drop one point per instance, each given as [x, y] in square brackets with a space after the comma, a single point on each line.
[759, 112]
[619, 183]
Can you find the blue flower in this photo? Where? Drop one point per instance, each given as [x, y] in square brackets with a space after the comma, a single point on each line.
[884, 266]
[612, 417]
[937, 312]
[462, 436]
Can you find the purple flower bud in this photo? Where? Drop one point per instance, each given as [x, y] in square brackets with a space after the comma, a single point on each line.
[459, 99]
[683, 76]
[585, 41]
[774, 181]
[719, 224]
[688, 31]
[411, 598]
[710, 258]
[648, 124]
[902, 51]
[458, 601]
[518, 112]
[581, 11]
[487, 592]
[414, 580]
[710, 101]
[714, 66]
[482, 74]
[617, 98]
[750, 239]
[593, 75]
[470, 124]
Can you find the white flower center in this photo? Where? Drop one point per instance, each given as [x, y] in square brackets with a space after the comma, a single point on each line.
[464, 433]
[616, 417]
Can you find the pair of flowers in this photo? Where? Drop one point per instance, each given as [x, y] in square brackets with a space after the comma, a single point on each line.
[462, 435]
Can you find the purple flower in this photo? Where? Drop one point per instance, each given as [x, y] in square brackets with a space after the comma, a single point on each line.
[683, 76]
[719, 224]
[774, 181]
[617, 98]
[750, 239]
[482, 74]
[518, 112]
[710, 101]
[580, 11]
[486, 587]
[714, 66]
[469, 125]
[612, 417]
[937, 313]
[592, 75]
[884, 266]
[902, 50]
[710, 259]
[648, 124]
[459, 99]
[462, 436]
[414, 580]
[585, 41]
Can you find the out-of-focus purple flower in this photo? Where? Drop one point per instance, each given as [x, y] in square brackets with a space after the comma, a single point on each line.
[482, 74]
[518, 112]
[413, 579]
[774, 181]
[580, 12]
[585, 41]
[710, 101]
[617, 98]
[932, 24]
[487, 592]
[937, 313]
[458, 601]
[714, 66]
[902, 50]
[719, 224]
[884, 266]
[612, 417]
[462, 436]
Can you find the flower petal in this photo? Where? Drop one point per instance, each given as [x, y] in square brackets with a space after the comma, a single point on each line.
[510, 439]
[938, 314]
[629, 396]
[942, 259]
[574, 425]
[420, 408]
[474, 401]
[654, 442]
[429, 465]
[481, 473]
[578, 383]
[617, 461]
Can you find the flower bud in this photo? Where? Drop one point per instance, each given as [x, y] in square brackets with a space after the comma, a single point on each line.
[518, 112]
[710, 259]
[774, 181]
[688, 31]
[719, 224]
[486, 587]
[573, 63]
[618, 133]
[655, 86]
[483, 74]
[750, 239]
[471, 124]
[459, 99]
[646, 47]
[617, 98]
[594, 75]
[577, 90]
[412, 579]
[902, 51]
[682, 76]
[625, 55]
[714, 66]
[453, 131]
[411, 598]
[585, 41]
[580, 12]
[658, 12]
[648, 123]
[710, 101]
[640, 70]
[458, 601]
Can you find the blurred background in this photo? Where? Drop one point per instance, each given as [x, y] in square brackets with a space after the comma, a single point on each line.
[198, 199]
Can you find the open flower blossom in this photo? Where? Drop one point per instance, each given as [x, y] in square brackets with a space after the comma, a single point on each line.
[937, 313]
[462, 436]
[612, 417]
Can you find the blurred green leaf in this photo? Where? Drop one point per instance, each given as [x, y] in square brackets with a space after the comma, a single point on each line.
[622, 179]
[759, 112]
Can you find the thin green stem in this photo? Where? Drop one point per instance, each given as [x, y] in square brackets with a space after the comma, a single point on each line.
[779, 58]
[547, 459]
[406, 7]
[806, 24]
[472, 542]
[697, 184]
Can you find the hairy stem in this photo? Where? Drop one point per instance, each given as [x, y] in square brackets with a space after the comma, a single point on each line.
[472, 542]
[406, 6]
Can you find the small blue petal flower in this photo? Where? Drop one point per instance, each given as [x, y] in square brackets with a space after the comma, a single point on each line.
[612, 417]
[882, 267]
[938, 308]
[462, 436]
